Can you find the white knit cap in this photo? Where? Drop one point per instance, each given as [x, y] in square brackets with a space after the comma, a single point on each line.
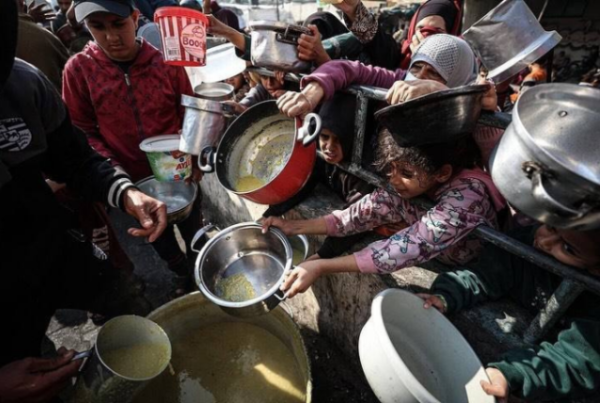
[450, 56]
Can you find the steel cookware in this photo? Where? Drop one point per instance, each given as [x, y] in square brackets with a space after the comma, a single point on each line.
[124, 337]
[439, 117]
[241, 269]
[274, 45]
[508, 39]
[546, 164]
[204, 121]
[178, 196]
[264, 156]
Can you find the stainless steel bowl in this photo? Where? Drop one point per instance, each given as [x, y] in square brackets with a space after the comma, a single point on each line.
[178, 196]
[214, 91]
[251, 264]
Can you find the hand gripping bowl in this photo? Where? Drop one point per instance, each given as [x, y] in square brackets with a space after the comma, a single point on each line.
[178, 196]
[412, 354]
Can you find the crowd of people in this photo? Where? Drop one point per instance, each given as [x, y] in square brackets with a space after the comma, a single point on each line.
[80, 89]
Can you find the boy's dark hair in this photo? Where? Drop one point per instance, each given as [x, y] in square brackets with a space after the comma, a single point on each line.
[460, 154]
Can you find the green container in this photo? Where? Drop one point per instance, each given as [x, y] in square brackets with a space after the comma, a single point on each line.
[167, 162]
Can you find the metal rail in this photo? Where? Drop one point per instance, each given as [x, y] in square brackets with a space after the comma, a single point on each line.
[574, 281]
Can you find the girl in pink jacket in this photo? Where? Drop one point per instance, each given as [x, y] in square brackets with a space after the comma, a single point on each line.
[445, 174]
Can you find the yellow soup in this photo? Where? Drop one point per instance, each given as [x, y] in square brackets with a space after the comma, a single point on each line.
[228, 363]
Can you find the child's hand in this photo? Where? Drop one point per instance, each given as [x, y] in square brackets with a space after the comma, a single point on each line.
[433, 301]
[489, 102]
[403, 91]
[498, 386]
[310, 47]
[294, 104]
[301, 278]
[277, 222]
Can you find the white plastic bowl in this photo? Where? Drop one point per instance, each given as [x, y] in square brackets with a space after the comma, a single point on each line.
[411, 354]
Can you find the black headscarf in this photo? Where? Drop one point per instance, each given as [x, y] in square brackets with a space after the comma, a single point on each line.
[444, 8]
[8, 33]
[337, 115]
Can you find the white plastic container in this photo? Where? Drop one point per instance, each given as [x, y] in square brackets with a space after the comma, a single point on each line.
[166, 161]
[411, 354]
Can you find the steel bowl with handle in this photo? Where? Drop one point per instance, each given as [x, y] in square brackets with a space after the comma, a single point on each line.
[242, 256]
[262, 143]
[546, 163]
[178, 196]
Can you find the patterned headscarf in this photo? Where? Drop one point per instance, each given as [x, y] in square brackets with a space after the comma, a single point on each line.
[450, 56]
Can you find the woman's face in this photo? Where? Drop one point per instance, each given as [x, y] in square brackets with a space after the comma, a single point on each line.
[114, 34]
[434, 21]
[331, 147]
[575, 248]
[424, 71]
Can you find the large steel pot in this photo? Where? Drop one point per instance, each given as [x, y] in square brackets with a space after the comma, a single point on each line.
[546, 164]
[275, 46]
[242, 262]
[193, 312]
[263, 143]
[203, 124]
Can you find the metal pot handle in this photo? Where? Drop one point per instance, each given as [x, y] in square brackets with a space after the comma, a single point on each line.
[304, 133]
[209, 154]
[201, 232]
[280, 296]
[541, 195]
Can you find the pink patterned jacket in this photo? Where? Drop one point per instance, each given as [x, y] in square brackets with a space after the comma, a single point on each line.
[463, 203]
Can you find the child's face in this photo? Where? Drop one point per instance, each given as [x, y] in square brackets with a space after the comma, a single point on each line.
[331, 147]
[115, 35]
[410, 181]
[236, 81]
[271, 84]
[575, 248]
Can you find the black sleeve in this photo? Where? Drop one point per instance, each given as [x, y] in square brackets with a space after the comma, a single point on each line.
[336, 246]
[283, 207]
[383, 50]
[69, 159]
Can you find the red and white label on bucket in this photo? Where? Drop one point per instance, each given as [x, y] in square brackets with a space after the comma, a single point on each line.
[193, 40]
[184, 39]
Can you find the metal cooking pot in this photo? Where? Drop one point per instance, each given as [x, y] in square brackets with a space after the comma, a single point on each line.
[442, 116]
[263, 143]
[522, 38]
[546, 163]
[214, 91]
[203, 124]
[243, 260]
[178, 196]
[275, 45]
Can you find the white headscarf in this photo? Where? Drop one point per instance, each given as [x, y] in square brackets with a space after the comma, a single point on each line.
[450, 56]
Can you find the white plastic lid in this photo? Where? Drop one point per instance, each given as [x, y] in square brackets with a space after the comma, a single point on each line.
[221, 63]
[166, 142]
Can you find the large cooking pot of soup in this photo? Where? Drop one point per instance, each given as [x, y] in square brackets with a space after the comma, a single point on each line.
[264, 156]
[220, 358]
[546, 164]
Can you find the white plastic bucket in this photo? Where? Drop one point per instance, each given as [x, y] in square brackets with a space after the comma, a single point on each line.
[167, 162]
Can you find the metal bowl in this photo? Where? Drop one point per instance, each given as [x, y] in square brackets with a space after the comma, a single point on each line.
[439, 117]
[178, 196]
[214, 91]
[241, 269]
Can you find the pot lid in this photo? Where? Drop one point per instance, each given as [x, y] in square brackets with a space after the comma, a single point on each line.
[164, 143]
[440, 117]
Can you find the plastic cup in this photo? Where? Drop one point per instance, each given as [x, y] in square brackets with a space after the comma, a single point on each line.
[183, 34]
[167, 162]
